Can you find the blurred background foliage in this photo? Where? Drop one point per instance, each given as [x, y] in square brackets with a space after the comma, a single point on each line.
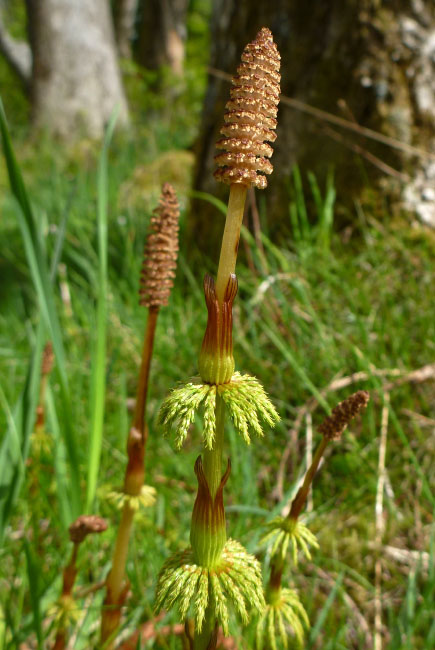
[336, 294]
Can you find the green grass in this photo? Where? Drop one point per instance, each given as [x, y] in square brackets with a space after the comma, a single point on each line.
[98, 363]
[323, 305]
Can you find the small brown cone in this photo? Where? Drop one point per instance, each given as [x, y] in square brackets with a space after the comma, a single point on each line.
[333, 426]
[160, 252]
[86, 525]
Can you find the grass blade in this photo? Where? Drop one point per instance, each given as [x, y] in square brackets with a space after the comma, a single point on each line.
[289, 357]
[300, 204]
[327, 215]
[205, 196]
[321, 618]
[15, 445]
[44, 289]
[98, 377]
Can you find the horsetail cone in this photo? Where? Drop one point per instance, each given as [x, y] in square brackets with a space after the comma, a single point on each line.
[160, 252]
[250, 118]
[86, 525]
[333, 426]
[249, 126]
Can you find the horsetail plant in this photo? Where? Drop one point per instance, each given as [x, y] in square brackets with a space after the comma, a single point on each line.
[46, 368]
[215, 572]
[156, 281]
[66, 608]
[285, 616]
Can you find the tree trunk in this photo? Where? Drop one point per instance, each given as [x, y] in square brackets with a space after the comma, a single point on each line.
[162, 33]
[76, 83]
[17, 53]
[125, 16]
[348, 57]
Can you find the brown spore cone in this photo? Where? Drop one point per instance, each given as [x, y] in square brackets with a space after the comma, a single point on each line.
[160, 252]
[250, 118]
[333, 426]
[86, 525]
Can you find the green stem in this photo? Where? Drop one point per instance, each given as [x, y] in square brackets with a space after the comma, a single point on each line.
[276, 570]
[212, 463]
[212, 458]
[115, 586]
[115, 579]
[231, 237]
[203, 640]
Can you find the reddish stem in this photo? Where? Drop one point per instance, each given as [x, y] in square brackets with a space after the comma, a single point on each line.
[142, 387]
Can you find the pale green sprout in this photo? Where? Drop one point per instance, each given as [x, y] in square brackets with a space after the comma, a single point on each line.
[235, 581]
[244, 396]
[146, 498]
[285, 613]
[286, 534]
[65, 611]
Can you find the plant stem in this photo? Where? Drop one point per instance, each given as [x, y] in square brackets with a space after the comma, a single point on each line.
[212, 464]
[275, 579]
[231, 237]
[115, 578]
[277, 562]
[302, 494]
[40, 409]
[206, 640]
[69, 576]
[212, 458]
[142, 387]
[115, 583]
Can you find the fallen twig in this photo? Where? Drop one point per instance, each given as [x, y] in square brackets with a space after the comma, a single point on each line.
[324, 116]
[409, 557]
[422, 420]
[309, 455]
[363, 626]
[379, 522]
[371, 158]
